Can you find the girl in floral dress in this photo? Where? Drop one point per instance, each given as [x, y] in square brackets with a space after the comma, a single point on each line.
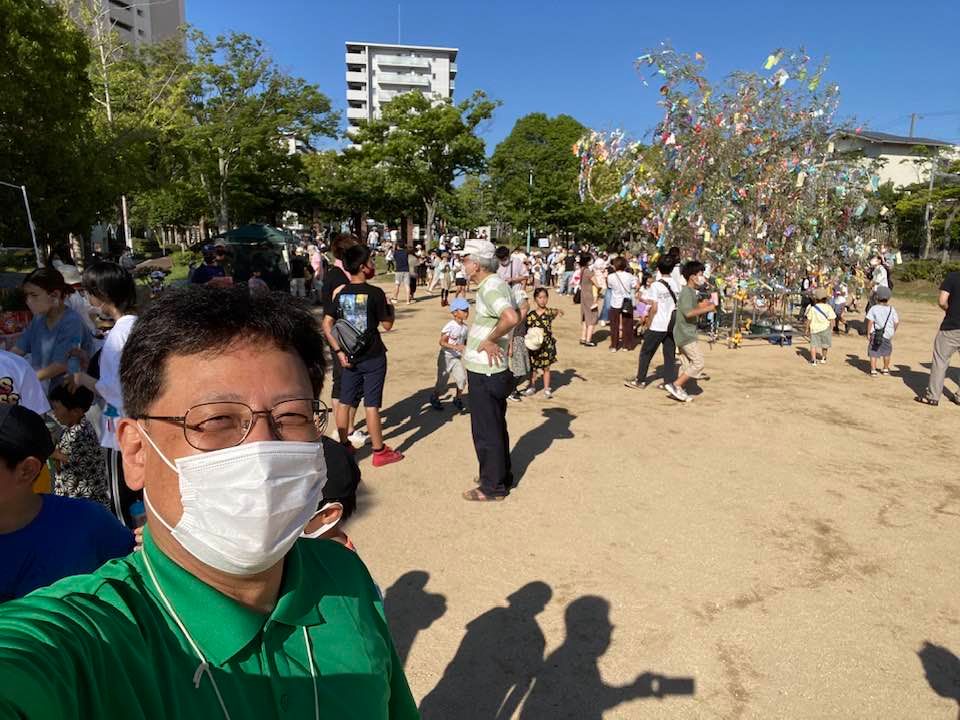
[546, 355]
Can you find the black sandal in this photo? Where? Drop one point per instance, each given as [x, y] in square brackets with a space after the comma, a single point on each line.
[926, 400]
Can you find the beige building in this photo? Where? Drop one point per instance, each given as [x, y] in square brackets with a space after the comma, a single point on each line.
[378, 73]
[902, 164]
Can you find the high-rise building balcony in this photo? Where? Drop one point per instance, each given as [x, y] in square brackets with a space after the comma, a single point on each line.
[402, 61]
[386, 78]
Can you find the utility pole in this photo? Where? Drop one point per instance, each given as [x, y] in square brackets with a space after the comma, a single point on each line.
[913, 122]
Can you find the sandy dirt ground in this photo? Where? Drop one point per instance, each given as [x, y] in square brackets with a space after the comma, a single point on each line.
[782, 547]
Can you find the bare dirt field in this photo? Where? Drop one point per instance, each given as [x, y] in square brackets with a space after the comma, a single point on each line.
[783, 547]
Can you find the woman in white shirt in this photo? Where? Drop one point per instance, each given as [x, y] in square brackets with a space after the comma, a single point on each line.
[112, 291]
[623, 294]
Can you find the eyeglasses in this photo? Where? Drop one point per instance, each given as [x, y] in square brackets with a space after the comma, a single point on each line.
[221, 425]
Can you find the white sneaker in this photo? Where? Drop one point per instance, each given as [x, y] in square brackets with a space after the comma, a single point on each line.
[530, 391]
[548, 393]
[358, 438]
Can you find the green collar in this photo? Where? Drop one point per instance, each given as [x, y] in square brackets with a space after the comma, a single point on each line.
[219, 625]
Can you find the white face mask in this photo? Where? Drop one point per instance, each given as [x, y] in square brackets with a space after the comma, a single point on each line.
[314, 534]
[244, 507]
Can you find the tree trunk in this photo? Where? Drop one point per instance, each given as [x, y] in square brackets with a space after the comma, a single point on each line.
[946, 230]
[431, 207]
[223, 220]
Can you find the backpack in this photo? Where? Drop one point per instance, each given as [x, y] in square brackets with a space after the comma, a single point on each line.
[351, 340]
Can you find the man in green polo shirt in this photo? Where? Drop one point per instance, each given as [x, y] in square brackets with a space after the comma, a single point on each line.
[226, 612]
[487, 373]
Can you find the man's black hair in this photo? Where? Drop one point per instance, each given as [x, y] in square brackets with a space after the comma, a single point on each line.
[691, 268]
[355, 257]
[343, 478]
[207, 321]
[666, 264]
[502, 252]
[674, 252]
[80, 399]
[109, 282]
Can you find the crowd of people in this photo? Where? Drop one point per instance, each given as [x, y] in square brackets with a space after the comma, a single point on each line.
[194, 434]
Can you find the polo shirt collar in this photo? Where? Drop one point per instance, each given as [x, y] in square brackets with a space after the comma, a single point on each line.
[219, 625]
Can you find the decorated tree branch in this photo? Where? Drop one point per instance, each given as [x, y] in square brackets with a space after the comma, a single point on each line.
[743, 173]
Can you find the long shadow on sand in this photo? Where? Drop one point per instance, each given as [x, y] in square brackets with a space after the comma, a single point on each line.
[500, 664]
[538, 440]
[410, 609]
[942, 670]
[414, 413]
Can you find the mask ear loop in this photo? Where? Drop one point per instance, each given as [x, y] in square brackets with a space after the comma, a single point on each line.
[163, 457]
[204, 666]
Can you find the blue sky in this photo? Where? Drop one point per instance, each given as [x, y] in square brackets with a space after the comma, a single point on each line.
[557, 56]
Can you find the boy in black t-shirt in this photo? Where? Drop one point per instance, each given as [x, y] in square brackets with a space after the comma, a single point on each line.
[365, 307]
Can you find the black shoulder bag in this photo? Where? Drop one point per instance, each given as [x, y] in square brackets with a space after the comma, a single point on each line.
[627, 307]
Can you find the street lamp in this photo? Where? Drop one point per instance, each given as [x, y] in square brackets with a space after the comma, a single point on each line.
[33, 232]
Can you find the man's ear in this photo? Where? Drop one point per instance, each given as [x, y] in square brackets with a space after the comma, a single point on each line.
[331, 513]
[133, 448]
[28, 469]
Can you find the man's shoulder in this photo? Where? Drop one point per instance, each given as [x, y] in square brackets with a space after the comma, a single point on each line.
[494, 283]
[343, 566]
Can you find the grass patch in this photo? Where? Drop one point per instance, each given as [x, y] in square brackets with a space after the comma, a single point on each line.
[917, 290]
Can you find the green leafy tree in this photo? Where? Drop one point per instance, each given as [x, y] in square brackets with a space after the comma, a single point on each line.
[542, 146]
[350, 184]
[424, 144]
[45, 141]
[469, 205]
[240, 107]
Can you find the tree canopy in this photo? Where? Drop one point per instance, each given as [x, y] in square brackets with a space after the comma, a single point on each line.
[541, 145]
[423, 144]
[46, 142]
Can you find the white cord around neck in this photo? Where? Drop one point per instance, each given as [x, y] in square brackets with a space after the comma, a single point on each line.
[204, 666]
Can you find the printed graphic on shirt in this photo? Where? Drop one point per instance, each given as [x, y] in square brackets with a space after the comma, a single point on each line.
[7, 394]
[353, 309]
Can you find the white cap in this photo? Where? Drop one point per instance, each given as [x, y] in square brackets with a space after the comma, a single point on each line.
[478, 248]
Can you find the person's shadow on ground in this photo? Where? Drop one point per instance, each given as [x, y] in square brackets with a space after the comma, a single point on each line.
[539, 439]
[562, 378]
[497, 660]
[570, 686]
[918, 380]
[414, 413]
[942, 669]
[861, 364]
[410, 609]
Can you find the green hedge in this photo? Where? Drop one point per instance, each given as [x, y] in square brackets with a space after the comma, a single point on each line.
[930, 270]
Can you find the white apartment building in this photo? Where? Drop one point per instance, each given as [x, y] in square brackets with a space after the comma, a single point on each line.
[377, 73]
